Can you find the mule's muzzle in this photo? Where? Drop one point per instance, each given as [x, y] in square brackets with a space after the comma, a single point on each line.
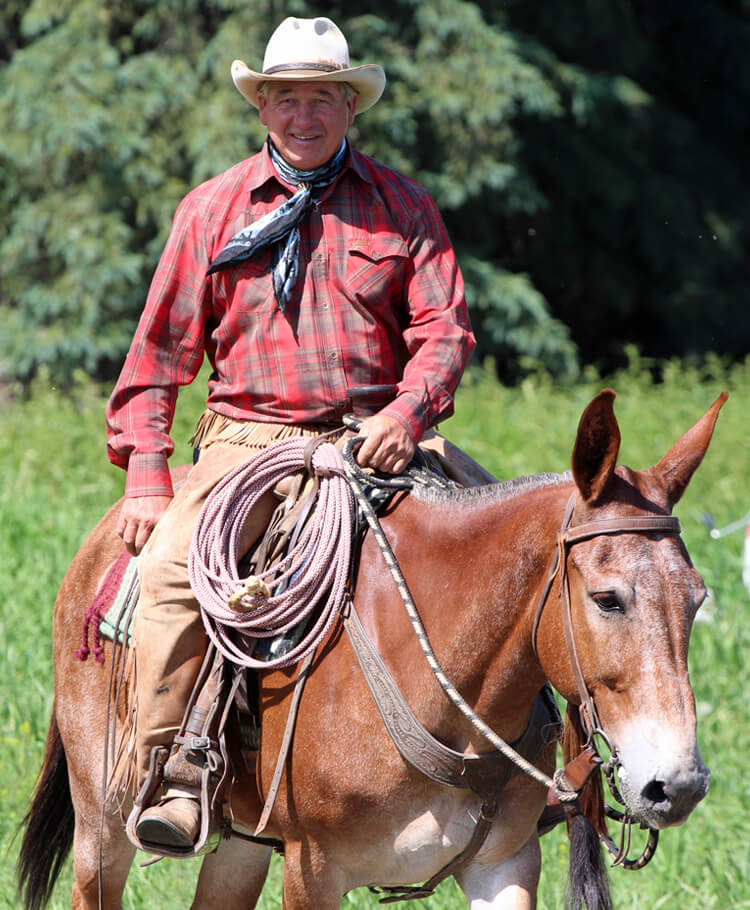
[664, 803]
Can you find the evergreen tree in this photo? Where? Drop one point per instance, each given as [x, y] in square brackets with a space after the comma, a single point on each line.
[587, 158]
[111, 112]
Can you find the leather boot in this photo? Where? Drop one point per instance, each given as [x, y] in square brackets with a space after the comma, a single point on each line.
[175, 822]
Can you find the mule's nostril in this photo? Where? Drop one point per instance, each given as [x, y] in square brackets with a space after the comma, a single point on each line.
[655, 792]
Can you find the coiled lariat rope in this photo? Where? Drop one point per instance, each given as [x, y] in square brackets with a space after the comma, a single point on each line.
[278, 599]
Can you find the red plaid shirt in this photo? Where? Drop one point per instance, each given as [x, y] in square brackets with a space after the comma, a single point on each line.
[379, 299]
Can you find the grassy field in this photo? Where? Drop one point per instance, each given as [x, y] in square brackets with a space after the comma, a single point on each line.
[55, 482]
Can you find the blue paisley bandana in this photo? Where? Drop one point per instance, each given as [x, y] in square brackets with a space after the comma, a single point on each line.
[281, 226]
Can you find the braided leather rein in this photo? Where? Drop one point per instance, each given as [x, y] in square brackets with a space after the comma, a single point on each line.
[567, 537]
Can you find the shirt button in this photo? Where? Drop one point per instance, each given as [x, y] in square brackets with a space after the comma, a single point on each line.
[324, 306]
[333, 355]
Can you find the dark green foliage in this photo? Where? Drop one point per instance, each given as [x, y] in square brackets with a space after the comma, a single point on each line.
[645, 175]
[587, 160]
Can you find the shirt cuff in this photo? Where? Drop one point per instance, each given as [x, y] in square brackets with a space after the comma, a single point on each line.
[148, 475]
[408, 409]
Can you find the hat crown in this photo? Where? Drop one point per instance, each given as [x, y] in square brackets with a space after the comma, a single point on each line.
[295, 41]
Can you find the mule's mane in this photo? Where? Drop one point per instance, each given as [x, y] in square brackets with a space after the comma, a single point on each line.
[508, 489]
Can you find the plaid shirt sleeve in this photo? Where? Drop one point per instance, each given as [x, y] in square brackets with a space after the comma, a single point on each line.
[167, 352]
[438, 332]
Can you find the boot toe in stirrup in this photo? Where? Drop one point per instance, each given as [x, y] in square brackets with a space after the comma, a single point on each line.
[174, 824]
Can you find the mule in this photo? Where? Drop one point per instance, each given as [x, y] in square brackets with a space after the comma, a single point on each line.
[350, 811]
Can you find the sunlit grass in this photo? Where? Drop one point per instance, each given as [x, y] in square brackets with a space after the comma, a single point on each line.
[55, 483]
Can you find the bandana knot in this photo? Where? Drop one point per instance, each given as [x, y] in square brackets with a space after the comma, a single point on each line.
[281, 226]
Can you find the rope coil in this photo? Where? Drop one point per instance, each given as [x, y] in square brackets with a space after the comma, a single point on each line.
[317, 567]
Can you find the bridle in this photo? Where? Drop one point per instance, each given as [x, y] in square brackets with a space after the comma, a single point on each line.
[567, 537]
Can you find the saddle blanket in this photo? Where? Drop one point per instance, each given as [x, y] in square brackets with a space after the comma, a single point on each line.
[111, 612]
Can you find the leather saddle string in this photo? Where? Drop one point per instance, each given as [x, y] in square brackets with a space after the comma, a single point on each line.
[110, 729]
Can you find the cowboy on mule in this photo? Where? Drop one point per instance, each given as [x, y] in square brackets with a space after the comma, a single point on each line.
[300, 272]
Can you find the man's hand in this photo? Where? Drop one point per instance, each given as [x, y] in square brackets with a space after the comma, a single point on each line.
[138, 519]
[387, 446]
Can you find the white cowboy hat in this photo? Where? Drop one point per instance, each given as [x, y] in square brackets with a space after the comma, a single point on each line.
[310, 49]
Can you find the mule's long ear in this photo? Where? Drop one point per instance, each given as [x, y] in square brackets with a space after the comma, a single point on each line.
[679, 464]
[596, 448]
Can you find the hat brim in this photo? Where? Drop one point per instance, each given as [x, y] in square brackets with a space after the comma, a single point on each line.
[368, 81]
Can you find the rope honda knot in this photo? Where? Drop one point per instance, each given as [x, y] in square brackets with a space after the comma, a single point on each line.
[254, 588]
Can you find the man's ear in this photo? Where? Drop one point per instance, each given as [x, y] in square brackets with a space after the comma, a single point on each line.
[262, 102]
[352, 105]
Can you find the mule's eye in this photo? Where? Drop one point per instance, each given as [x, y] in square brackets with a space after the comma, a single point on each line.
[608, 602]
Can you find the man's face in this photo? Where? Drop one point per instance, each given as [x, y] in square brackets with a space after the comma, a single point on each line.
[306, 120]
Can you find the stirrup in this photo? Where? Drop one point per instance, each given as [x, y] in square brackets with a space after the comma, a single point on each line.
[209, 834]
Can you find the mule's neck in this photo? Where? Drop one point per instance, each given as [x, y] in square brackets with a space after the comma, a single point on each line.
[524, 545]
[490, 555]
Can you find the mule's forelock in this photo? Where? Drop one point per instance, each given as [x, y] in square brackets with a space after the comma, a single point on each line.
[679, 464]
[596, 448]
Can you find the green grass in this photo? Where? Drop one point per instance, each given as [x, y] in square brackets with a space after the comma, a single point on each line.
[55, 482]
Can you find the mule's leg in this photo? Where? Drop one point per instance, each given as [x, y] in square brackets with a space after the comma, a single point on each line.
[85, 751]
[308, 880]
[232, 877]
[511, 885]
[117, 857]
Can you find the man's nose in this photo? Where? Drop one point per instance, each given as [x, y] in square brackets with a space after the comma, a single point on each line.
[305, 112]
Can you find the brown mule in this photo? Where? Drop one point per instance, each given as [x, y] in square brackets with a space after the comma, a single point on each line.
[350, 811]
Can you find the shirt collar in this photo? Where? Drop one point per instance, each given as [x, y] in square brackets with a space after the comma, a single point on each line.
[263, 169]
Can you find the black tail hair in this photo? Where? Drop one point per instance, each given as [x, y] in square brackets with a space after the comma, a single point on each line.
[588, 883]
[48, 826]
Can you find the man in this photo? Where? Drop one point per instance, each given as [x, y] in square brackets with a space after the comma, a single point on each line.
[300, 272]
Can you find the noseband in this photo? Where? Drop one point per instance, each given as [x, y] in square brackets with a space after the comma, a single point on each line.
[567, 537]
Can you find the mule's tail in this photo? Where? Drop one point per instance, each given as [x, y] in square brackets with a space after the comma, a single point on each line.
[588, 883]
[49, 826]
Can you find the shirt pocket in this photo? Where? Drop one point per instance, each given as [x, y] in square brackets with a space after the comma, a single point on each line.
[248, 285]
[377, 270]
